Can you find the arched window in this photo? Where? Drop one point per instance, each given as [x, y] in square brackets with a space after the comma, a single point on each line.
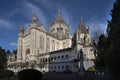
[67, 57]
[51, 59]
[62, 66]
[58, 66]
[54, 58]
[28, 51]
[58, 58]
[62, 57]
[48, 59]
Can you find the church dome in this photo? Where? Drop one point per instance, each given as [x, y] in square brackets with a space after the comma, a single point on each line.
[59, 19]
[59, 28]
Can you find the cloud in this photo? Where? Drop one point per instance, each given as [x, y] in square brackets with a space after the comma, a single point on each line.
[13, 12]
[5, 24]
[66, 15]
[13, 44]
[97, 27]
[47, 3]
[32, 9]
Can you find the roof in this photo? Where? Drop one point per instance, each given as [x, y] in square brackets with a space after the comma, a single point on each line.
[81, 27]
[61, 50]
[59, 19]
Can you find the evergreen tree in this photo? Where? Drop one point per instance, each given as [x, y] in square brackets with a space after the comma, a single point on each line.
[101, 46]
[8, 53]
[2, 58]
[15, 53]
[112, 54]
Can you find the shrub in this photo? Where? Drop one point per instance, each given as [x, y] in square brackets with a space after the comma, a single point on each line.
[29, 74]
[6, 73]
[92, 68]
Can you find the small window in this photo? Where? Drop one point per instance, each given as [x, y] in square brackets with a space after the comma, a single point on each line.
[58, 57]
[59, 67]
[54, 67]
[51, 58]
[45, 59]
[54, 58]
[48, 59]
[62, 57]
[62, 67]
[67, 57]
[76, 66]
[67, 66]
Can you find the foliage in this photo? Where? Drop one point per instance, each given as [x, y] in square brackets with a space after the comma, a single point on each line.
[108, 47]
[2, 58]
[6, 73]
[101, 48]
[112, 51]
[29, 74]
[92, 68]
[8, 53]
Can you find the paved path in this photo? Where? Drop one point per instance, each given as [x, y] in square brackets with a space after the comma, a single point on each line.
[59, 76]
[62, 76]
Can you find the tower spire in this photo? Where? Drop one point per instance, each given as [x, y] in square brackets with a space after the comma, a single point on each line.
[81, 22]
[81, 26]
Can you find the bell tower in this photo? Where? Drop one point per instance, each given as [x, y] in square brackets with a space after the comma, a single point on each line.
[83, 34]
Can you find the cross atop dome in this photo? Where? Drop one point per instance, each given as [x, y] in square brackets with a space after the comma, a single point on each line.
[59, 12]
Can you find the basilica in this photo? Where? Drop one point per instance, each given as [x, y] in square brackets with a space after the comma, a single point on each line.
[53, 50]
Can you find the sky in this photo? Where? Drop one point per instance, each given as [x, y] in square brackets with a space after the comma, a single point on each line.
[14, 13]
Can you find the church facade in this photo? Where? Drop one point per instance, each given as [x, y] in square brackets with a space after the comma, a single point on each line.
[54, 50]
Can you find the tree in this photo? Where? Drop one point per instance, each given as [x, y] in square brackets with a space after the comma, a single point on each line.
[8, 53]
[15, 53]
[2, 58]
[101, 47]
[112, 53]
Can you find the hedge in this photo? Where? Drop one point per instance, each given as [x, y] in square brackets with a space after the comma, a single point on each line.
[6, 73]
[29, 74]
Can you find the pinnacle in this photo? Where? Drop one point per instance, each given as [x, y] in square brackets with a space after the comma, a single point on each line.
[81, 22]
